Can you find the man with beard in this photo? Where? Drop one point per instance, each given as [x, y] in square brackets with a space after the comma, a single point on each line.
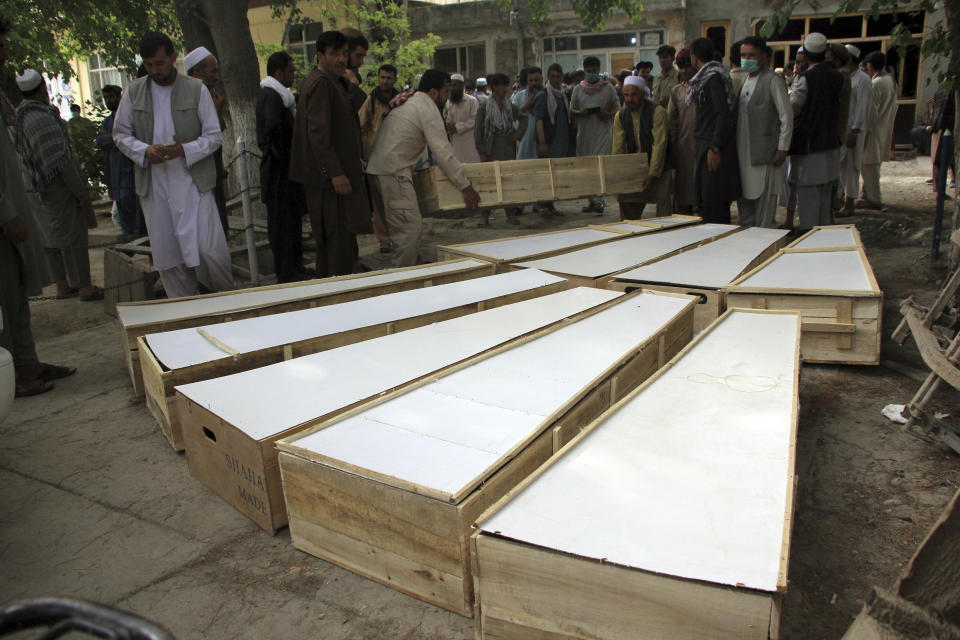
[357, 47]
[414, 123]
[284, 200]
[640, 126]
[711, 90]
[814, 151]
[851, 152]
[374, 110]
[118, 170]
[497, 130]
[883, 111]
[327, 159]
[460, 116]
[167, 125]
[202, 65]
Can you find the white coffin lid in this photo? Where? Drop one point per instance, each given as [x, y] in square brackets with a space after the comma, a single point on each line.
[711, 266]
[691, 476]
[602, 260]
[513, 248]
[449, 435]
[828, 237]
[186, 347]
[138, 314]
[836, 270]
[316, 385]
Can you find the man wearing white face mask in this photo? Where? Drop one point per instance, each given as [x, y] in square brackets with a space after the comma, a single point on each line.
[764, 129]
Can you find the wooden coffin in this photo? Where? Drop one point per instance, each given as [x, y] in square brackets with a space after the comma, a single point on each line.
[597, 266]
[179, 357]
[230, 424]
[663, 222]
[835, 291]
[702, 271]
[670, 516]
[518, 182]
[389, 490]
[503, 251]
[140, 318]
[829, 236]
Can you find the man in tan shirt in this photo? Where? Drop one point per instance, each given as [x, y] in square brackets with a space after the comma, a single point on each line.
[411, 126]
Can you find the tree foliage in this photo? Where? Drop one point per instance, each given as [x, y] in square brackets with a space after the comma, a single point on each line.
[47, 34]
[593, 12]
[385, 25]
[939, 47]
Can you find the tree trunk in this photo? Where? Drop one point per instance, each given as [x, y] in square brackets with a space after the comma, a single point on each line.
[222, 27]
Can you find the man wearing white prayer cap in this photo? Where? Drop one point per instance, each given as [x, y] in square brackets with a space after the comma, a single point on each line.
[815, 149]
[851, 153]
[64, 207]
[202, 65]
[167, 125]
[460, 117]
[640, 126]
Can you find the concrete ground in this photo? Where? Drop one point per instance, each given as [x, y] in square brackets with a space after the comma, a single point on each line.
[96, 505]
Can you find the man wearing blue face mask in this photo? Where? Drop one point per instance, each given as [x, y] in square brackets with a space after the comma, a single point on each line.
[764, 129]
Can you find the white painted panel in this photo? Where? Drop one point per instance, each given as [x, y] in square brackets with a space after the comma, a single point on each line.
[186, 347]
[162, 311]
[478, 414]
[602, 260]
[690, 477]
[513, 248]
[316, 385]
[828, 238]
[837, 270]
[712, 265]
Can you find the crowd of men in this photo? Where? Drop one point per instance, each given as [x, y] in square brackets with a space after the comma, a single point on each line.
[802, 137]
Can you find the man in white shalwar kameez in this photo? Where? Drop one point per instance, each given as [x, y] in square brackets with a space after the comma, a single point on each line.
[879, 133]
[167, 125]
[460, 117]
[764, 130]
[851, 153]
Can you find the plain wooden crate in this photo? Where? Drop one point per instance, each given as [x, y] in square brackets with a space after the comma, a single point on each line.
[408, 536]
[517, 182]
[126, 278]
[525, 591]
[711, 302]
[839, 327]
[160, 382]
[130, 334]
[244, 470]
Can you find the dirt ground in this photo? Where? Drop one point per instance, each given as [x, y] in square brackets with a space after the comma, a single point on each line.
[96, 505]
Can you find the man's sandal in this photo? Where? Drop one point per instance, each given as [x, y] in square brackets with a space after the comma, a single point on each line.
[32, 387]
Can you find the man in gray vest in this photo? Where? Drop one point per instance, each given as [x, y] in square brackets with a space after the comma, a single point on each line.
[764, 129]
[167, 124]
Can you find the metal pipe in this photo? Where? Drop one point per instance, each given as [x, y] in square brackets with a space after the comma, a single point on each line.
[247, 212]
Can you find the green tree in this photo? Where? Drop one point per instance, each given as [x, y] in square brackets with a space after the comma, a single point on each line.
[48, 34]
[387, 28]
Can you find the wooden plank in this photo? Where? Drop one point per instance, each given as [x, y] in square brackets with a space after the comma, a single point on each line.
[543, 594]
[139, 319]
[229, 438]
[191, 358]
[505, 429]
